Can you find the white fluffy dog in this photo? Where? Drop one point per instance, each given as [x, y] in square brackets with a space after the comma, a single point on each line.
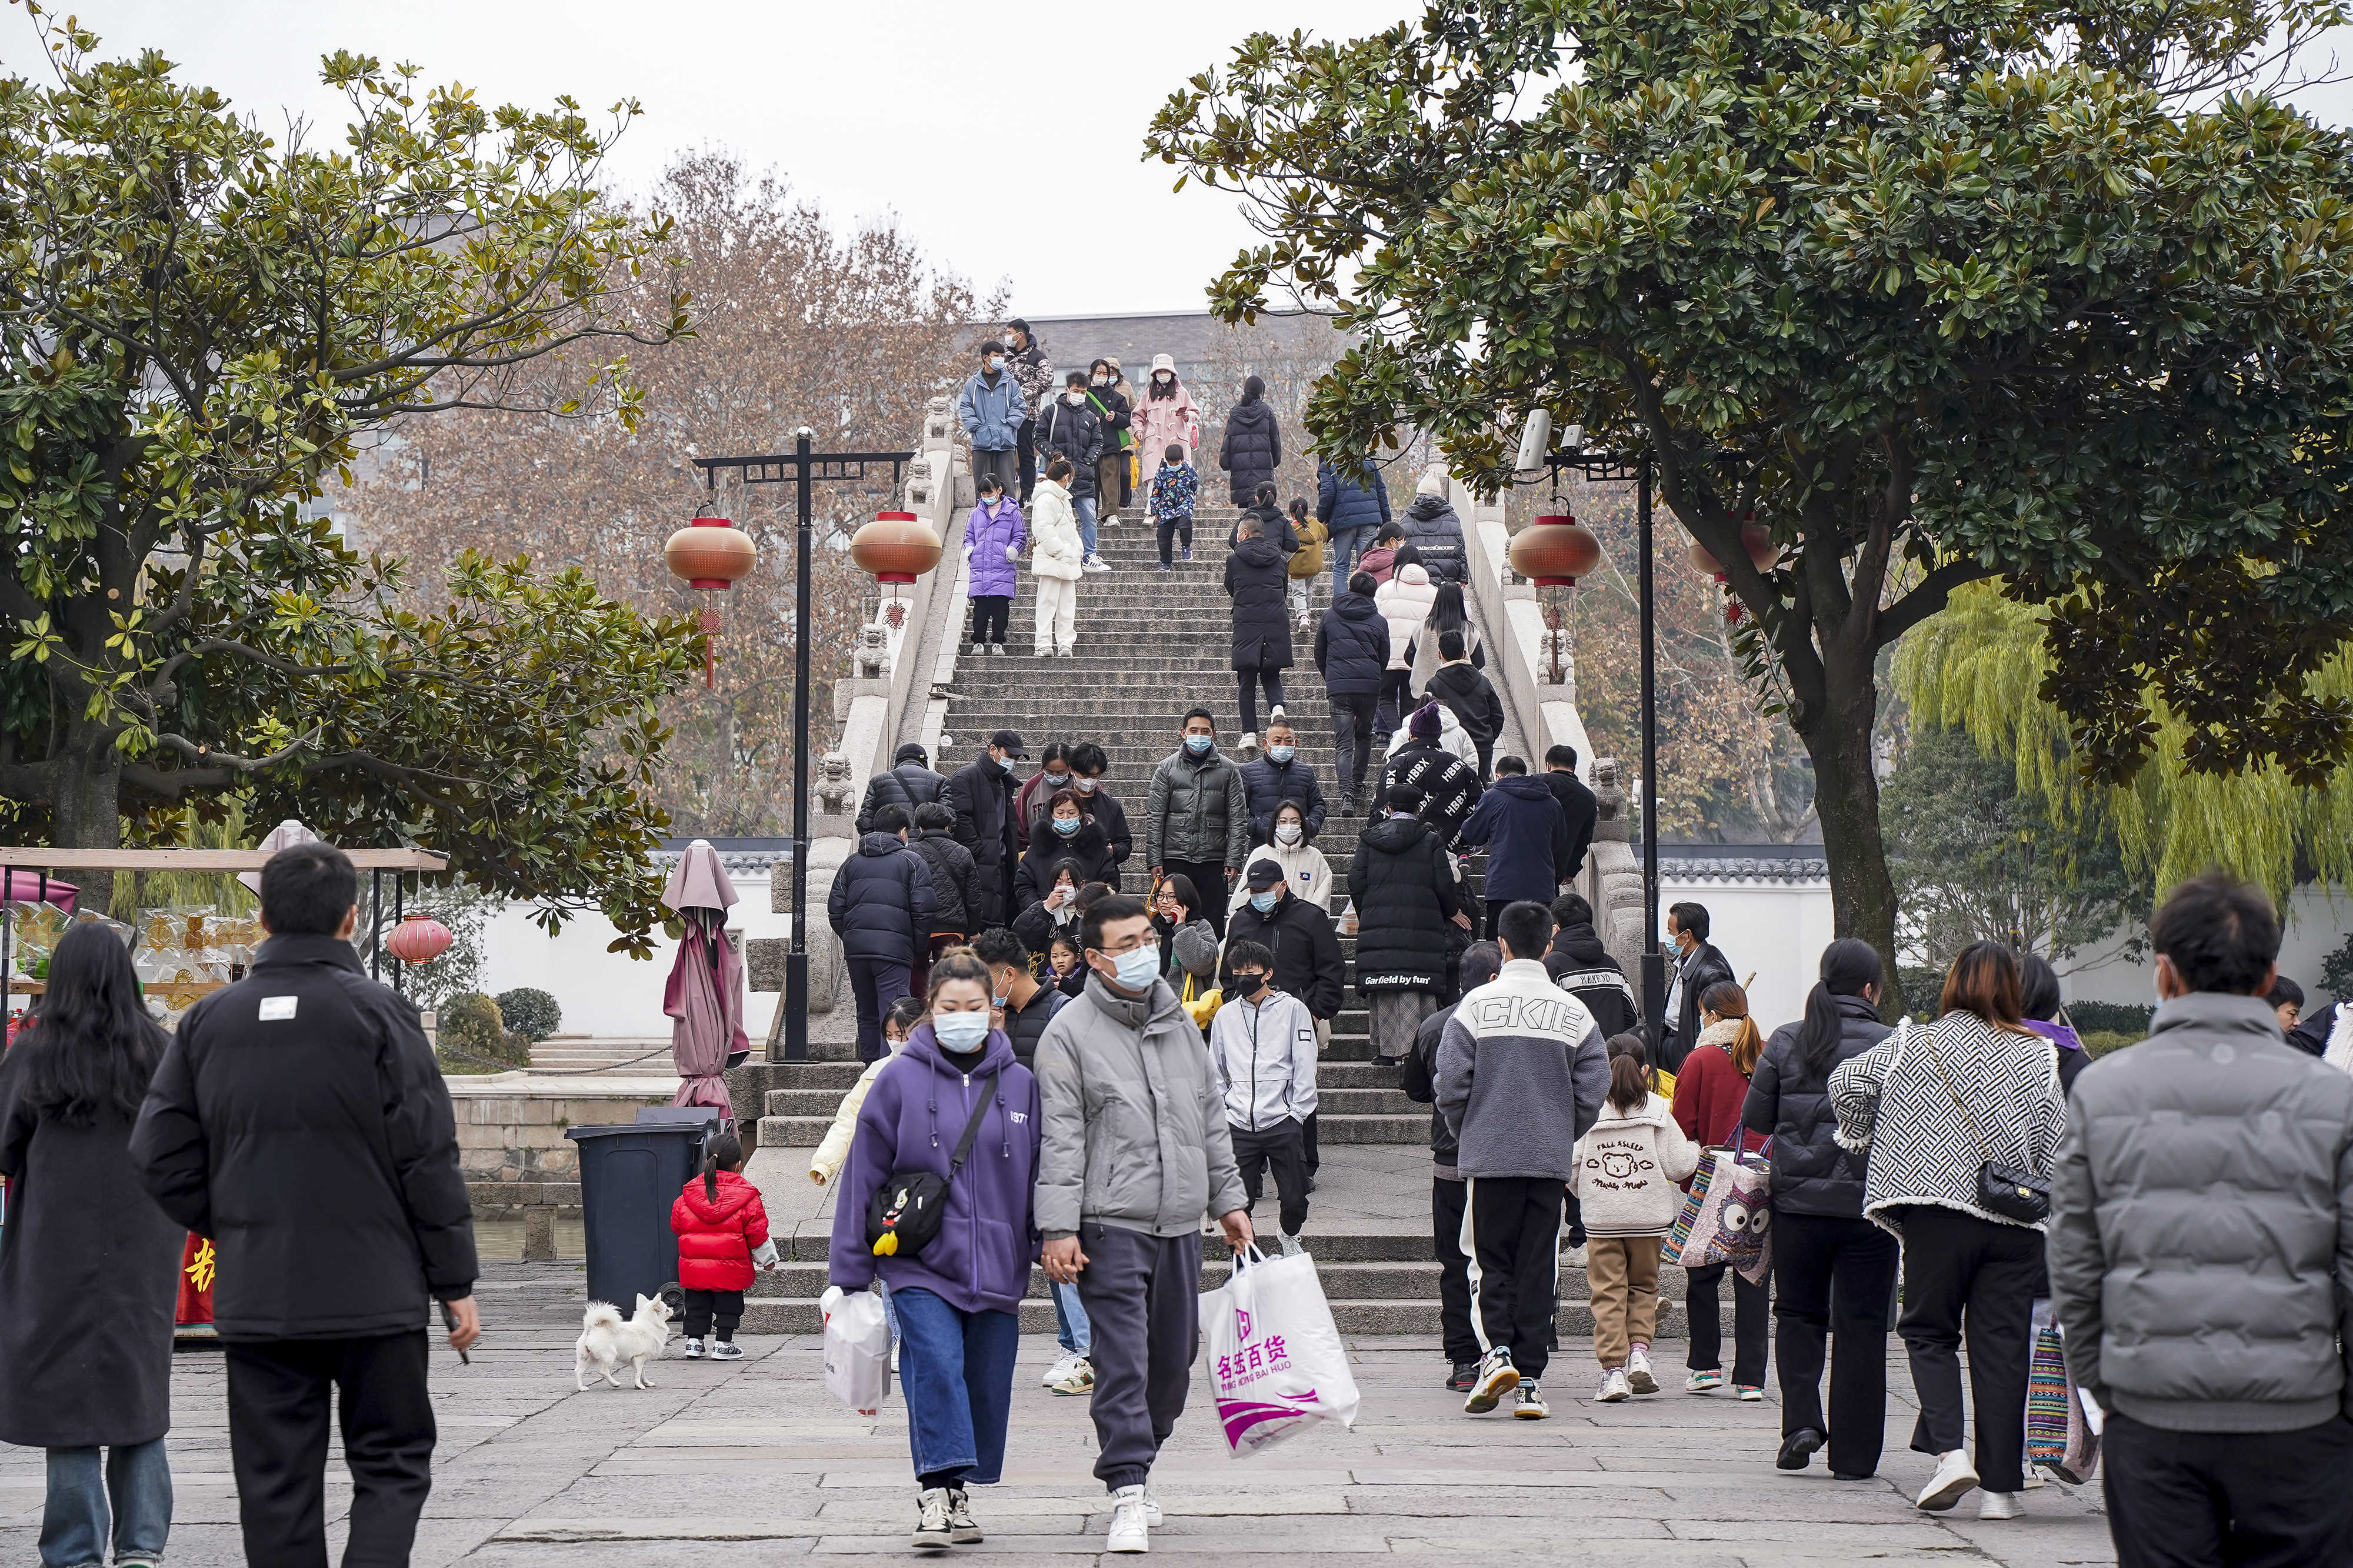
[606, 1340]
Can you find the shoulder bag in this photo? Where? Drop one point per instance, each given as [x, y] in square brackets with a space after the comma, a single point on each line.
[905, 1211]
[2005, 1190]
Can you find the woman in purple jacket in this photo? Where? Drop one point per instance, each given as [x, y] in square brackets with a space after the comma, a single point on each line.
[994, 538]
[958, 1300]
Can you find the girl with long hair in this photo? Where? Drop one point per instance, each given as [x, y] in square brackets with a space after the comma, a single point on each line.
[1710, 1091]
[1630, 1165]
[90, 1272]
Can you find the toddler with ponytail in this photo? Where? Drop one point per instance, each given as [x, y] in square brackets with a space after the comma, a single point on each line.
[723, 1230]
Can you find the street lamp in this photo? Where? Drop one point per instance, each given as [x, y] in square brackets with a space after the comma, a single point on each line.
[802, 468]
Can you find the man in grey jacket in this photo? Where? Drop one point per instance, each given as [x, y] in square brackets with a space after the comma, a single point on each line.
[1521, 1072]
[1135, 1150]
[2201, 1258]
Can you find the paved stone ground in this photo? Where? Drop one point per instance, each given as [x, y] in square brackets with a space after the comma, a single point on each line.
[753, 1463]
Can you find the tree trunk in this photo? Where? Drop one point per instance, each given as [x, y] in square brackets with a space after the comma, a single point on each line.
[87, 807]
[1846, 797]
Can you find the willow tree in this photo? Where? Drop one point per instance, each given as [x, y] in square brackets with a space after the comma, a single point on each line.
[1938, 293]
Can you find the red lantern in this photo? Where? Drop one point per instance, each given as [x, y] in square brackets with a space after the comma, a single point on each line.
[710, 554]
[896, 547]
[1554, 550]
[418, 940]
[1763, 553]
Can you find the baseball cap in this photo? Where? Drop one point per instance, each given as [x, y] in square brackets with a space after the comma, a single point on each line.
[1264, 874]
[1008, 742]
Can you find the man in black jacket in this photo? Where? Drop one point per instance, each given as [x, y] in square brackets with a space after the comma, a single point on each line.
[1482, 962]
[1307, 962]
[1576, 804]
[1278, 776]
[299, 1120]
[1580, 965]
[1700, 966]
[955, 886]
[883, 908]
[910, 783]
[1352, 650]
[1089, 762]
[1458, 683]
[981, 795]
[1110, 406]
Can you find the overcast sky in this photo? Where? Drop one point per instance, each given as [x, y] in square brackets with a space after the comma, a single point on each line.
[1005, 136]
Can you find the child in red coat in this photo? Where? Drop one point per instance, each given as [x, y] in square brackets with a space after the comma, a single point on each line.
[721, 1228]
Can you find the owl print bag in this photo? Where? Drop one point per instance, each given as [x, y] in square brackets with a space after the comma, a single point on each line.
[1727, 1217]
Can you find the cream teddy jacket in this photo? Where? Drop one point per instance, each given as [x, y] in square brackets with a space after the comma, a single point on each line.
[1631, 1168]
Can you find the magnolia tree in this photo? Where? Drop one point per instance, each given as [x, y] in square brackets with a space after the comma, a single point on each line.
[1935, 294]
[200, 326]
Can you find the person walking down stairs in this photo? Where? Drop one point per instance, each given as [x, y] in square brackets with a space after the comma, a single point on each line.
[1481, 962]
[1058, 564]
[1197, 825]
[1170, 500]
[1262, 1042]
[994, 538]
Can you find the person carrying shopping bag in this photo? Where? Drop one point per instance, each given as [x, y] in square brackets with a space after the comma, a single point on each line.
[1057, 562]
[1629, 1171]
[1710, 1093]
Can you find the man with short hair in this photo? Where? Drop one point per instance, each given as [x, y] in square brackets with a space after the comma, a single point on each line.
[1089, 762]
[1027, 365]
[1579, 965]
[911, 782]
[1196, 822]
[1577, 808]
[1069, 428]
[1479, 963]
[955, 887]
[1699, 966]
[1469, 697]
[1262, 1043]
[1520, 823]
[1134, 1149]
[299, 1121]
[1035, 796]
[2201, 1258]
[995, 414]
[1281, 774]
[1521, 1073]
[1352, 653]
[981, 795]
[883, 908]
[1307, 963]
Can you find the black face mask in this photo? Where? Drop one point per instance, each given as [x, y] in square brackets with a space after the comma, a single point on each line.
[1250, 985]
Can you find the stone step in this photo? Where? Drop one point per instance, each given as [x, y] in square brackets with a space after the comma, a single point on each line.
[790, 1104]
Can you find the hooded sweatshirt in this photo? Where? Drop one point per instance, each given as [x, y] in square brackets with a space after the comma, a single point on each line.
[913, 1116]
[1629, 1171]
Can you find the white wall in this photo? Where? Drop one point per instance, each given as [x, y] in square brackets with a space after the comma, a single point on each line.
[610, 993]
[1776, 928]
[2317, 919]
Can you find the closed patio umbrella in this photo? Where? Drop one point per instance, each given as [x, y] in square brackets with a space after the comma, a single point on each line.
[704, 997]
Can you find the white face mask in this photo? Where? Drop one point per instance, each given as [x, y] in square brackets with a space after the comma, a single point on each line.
[1074, 398]
[1286, 833]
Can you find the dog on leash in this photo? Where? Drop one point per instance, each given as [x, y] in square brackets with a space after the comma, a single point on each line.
[608, 1340]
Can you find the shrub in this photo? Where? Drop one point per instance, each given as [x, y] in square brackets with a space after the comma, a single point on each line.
[469, 1022]
[530, 1012]
[2099, 1043]
[2336, 973]
[2110, 1018]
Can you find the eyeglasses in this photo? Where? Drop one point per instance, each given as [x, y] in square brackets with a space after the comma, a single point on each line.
[1145, 939]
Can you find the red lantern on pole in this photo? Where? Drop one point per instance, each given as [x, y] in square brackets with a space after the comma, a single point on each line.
[1554, 550]
[710, 554]
[418, 940]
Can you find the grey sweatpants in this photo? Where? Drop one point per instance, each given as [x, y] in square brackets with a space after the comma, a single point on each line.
[1142, 1294]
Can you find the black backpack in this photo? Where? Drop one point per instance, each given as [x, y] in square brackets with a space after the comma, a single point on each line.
[905, 1211]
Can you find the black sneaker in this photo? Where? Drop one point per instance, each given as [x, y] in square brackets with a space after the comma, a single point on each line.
[1464, 1374]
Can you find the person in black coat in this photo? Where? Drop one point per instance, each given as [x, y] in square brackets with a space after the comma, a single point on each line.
[1278, 776]
[299, 1120]
[1054, 911]
[1833, 1270]
[1520, 823]
[911, 782]
[955, 886]
[1089, 762]
[1273, 521]
[1701, 967]
[1116, 417]
[1576, 806]
[1074, 429]
[1352, 652]
[1252, 448]
[1458, 683]
[1083, 845]
[1412, 920]
[1025, 1007]
[1446, 786]
[1306, 948]
[1258, 583]
[1579, 965]
[981, 795]
[1448, 1194]
[883, 909]
[90, 1273]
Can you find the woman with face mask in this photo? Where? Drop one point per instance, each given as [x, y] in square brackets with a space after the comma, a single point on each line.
[1107, 396]
[1064, 835]
[1305, 872]
[1187, 943]
[1164, 412]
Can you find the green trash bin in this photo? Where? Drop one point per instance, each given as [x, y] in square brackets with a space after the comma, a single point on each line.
[629, 1176]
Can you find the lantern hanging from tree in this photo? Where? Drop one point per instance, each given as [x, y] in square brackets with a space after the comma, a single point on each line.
[1756, 539]
[710, 554]
[418, 940]
[896, 548]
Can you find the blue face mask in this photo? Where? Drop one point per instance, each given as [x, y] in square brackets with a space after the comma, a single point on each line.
[1005, 762]
[1058, 781]
[1066, 825]
[1265, 901]
[1139, 966]
[960, 1031]
[1199, 744]
[1282, 754]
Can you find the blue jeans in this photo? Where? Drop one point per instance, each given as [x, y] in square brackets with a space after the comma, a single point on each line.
[138, 1482]
[956, 1370]
[1071, 1330]
[1346, 545]
[1085, 506]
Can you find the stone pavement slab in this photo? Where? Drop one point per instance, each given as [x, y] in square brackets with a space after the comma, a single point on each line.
[752, 1463]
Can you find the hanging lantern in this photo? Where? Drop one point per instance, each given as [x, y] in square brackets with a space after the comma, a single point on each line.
[1554, 550]
[710, 554]
[896, 547]
[418, 940]
[1763, 553]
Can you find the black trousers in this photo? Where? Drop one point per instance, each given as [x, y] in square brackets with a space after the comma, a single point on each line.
[2252, 1500]
[1209, 879]
[1352, 738]
[875, 984]
[1833, 1278]
[1281, 1146]
[707, 1309]
[1307, 1154]
[1142, 1299]
[1751, 1323]
[1963, 1274]
[1027, 450]
[1171, 527]
[989, 613]
[1397, 695]
[1250, 680]
[278, 1392]
[1447, 1199]
[1515, 1248]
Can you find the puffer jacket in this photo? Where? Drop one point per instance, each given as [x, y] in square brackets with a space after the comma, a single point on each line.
[1351, 647]
[1197, 811]
[882, 905]
[1433, 528]
[1305, 873]
[1308, 561]
[834, 1147]
[1173, 490]
[2199, 1221]
[955, 879]
[1087, 846]
[1629, 1168]
[1812, 1175]
[1520, 822]
[992, 412]
[1402, 885]
[1252, 448]
[981, 795]
[988, 533]
[1360, 500]
[1275, 528]
[1307, 962]
[1378, 562]
[1257, 583]
[717, 1238]
[1268, 783]
[1075, 432]
[1060, 551]
[1133, 1118]
[1160, 423]
[907, 785]
[1404, 602]
[1449, 784]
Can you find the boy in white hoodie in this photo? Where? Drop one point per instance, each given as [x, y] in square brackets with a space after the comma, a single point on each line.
[1629, 1168]
[1262, 1043]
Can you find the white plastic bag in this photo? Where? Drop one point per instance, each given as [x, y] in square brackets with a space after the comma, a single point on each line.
[1275, 1362]
[857, 1348]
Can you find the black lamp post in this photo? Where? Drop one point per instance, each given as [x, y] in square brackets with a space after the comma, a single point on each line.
[802, 468]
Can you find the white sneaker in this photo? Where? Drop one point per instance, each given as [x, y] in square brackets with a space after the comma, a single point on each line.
[1954, 1476]
[1278, 713]
[1249, 744]
[1290, 1247]
[978, 648]
[932, 1527]
[1613, 1389]
[1151, 1507]
[963, 1529]
[1108, 520]
[1080, 1378]
[1576, 1255]
[1497, 1376]
[1131, 1529]
[2000, 1505]
[694, 1349]
[996, 651]
[1060, 1370]
[1094, 563]
[1639, 1375]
